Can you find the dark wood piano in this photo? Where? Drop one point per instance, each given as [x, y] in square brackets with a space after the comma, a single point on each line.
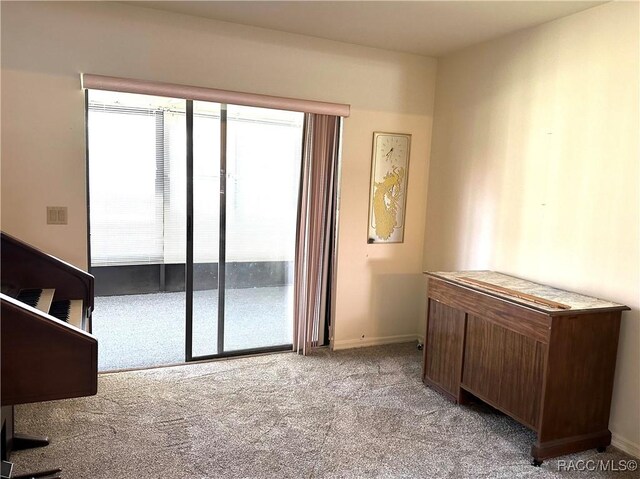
[47, 350]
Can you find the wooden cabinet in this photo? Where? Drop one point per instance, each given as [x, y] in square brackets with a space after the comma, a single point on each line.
[445, 340]
[547, 364]
[504, 368]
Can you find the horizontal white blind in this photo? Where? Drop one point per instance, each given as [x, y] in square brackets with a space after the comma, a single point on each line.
[100, 82]
[125, 185]
[137, 178]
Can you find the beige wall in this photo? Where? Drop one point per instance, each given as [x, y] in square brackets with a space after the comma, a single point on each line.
[534, 169]
[379, 293]
[46, 46]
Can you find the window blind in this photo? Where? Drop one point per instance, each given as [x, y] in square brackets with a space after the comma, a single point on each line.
[134, 150]
[126, 223]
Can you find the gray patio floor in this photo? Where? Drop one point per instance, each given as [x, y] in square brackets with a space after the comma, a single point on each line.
[145, 330]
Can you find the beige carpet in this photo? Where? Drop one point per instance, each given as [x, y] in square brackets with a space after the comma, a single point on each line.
[349, 414]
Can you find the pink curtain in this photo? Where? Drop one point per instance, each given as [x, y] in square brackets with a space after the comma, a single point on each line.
[315, 228]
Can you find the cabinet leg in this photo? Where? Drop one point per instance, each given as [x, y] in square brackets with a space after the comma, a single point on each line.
[22, 441]
[536, 462]
[45, 474]
[602, 449]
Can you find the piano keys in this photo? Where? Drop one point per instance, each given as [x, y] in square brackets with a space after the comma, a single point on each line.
[37, 298]
[67, 310]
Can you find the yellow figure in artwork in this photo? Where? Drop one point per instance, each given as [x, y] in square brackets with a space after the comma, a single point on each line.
[386, 198]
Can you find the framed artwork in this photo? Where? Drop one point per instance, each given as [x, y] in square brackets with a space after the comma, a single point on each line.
[388, 193]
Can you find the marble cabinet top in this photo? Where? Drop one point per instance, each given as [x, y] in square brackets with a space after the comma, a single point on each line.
[574, 300]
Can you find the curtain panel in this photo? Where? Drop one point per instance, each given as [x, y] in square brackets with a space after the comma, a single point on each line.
[315, 228]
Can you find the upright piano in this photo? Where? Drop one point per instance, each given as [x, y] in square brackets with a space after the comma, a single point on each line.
[48, 351]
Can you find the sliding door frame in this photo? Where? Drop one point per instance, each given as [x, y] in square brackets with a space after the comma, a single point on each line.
[87, 177]
[188, 278]
[222, 232]
[222, 250]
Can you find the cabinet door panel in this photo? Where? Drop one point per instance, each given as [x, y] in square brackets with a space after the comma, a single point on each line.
[504, 368]
[445, 339]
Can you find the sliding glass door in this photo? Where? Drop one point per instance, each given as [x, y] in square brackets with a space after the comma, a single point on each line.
[243, 214]
[192, 226]
[263, 175]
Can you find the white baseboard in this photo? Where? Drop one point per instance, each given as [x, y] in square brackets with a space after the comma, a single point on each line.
[625, 445]
[374, 341]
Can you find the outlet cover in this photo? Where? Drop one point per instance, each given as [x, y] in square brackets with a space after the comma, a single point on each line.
[56, 215]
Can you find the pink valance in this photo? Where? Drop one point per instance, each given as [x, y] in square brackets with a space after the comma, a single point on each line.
[127, 85]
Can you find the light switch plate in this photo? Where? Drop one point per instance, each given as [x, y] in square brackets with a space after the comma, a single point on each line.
[56, 215]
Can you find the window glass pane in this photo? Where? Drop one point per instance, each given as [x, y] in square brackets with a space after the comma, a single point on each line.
[206, 226]
[137, 175]
[263, 176]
